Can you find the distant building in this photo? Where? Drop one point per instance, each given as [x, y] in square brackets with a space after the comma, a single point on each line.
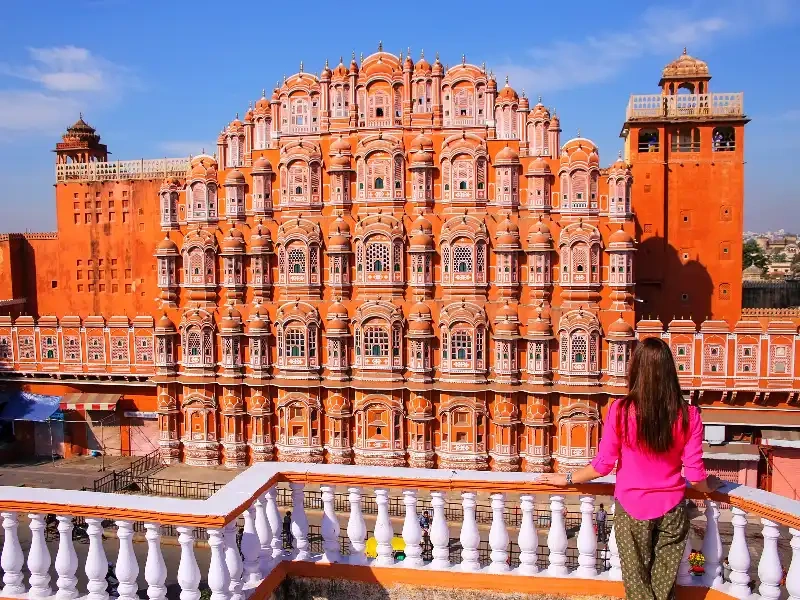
[753, 273]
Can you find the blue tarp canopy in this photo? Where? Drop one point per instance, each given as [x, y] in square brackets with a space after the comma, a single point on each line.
[25, 406]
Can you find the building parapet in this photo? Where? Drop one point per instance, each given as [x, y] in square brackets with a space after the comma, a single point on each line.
[678, 106]
[264, 561]
[771, 312]
[120, 170]
[29, 235]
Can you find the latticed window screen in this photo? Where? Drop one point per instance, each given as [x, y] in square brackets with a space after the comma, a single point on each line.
[746, 359]
[71, 348]
[397, 255]
[377, 256]
[463, 173]
[713, 356]
[295, 342]
[780, 355]
[297, 260]
[462, 259]
[96, 348]
[376, 341]
[480, 255]
[208, 346]
[461, 345]
[26, 346]
[119, 349]
[578, 351]
[446, 259]
[193, 346]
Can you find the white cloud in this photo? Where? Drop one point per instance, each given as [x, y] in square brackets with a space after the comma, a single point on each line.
[657, 31]
[185, 148]
[36, 111]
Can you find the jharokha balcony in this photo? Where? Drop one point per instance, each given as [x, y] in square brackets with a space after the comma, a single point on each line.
[522, 542]
[677, 106]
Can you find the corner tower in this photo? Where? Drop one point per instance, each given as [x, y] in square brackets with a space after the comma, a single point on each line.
[685, 146]
[80, 144]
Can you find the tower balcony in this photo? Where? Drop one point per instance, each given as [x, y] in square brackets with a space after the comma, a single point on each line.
[521, 539]
[681, 106]
[119, 170]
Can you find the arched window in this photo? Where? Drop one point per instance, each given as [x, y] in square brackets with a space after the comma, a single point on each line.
[299, 118]
[463, 106]
[376, 341]
[377, 254]
[686, 139]
[297, 260]
[298, 182]
[461, 344]
[724, 139]
[379, 183]
[295, 341]
[648, 140]
[463, 174]
[462, 258]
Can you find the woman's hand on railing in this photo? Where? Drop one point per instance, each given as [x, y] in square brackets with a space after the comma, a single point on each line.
[554, 479]
[710, 484]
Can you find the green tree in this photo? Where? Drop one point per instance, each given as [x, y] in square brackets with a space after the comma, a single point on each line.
[752, 254]
[795, 268]
[779, 257]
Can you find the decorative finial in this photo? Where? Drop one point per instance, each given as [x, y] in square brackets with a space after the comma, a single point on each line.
[340, 60]
[483, 66]
[684, 50]
[263, 92]
[284, 78]
[326, 63]
[380, 46]
[506, 79]
[579, 132]
[301, 66]
[523, 92]
[202, 150]
[354, 54]
[437, 56]
[619, 154]
[237, 114]
[250, 105]
[540, 99]
[422, 53]
[463, 59]
[361, 58]
[80, 115]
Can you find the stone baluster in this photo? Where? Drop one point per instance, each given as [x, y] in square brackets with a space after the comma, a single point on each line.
[587, 540]
[440, 533]
[264, 533]
[251, 546]
[412, 532]
[528, 539]
[275, 524]
[557, 539]
[712, 546]
[330, 526]
[38, 559]
[66, 561]
[470, 536]
[12, 558]
[188, 571]
[155, 569]
[219, 579]
[739, 556]
[615, 572]
[498, 535]
[685, 569]
[356, 528]
[299, 522]
[793, 576]
[383, 530]
[96, 567]
[127, 568]
[769, 566]
[233, 560]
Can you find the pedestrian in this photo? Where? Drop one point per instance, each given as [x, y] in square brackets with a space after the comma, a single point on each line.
[425, 525]
[288, 540]
[601, 518]
[650, 435]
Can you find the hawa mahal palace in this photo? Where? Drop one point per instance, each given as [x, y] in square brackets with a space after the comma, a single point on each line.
[398, 263]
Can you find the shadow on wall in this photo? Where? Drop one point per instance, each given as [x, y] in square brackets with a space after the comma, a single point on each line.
[670, 283]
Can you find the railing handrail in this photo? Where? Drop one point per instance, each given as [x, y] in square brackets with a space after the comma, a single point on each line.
[234, 498]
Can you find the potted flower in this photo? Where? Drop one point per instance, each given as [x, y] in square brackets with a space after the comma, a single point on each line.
[696, 563]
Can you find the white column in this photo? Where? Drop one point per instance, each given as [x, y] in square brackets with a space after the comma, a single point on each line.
[330, 526]
[470, 536]
[38, 559]
[738, 556]
[219, 580]
[356, 528]
[127, 567]
[793, 576]
[96, 567]
[528, 539]
[251, 546]
[685, 576]
[188, 571]
[264, 533]
[299, 522]
[712, 546]
[587, 540]
[275, 525]
[769, 566]
[383, 530]
[615, 572]
[439, 534]
[12, 559]
[155, 569]
[557, 539]
[498, 535]
[412, 532]
[233, 560]
[66, 561]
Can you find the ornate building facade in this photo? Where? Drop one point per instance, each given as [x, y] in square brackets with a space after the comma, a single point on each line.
[398, 263]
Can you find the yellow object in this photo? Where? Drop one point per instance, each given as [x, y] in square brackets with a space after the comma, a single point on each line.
[372, 546]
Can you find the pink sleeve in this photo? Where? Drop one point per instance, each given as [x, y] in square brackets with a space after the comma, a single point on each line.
[608, 453]
[693, 468]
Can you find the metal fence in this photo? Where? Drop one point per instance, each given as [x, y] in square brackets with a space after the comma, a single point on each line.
[117, 481]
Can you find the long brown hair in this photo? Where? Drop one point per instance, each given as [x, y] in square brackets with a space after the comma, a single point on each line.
[654, 394]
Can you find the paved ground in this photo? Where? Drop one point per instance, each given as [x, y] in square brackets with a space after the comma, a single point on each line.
[70, 474]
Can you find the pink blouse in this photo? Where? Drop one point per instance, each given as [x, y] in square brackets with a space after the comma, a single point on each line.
[649, 485]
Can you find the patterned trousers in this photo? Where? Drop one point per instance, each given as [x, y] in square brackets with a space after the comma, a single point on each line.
[650, 552]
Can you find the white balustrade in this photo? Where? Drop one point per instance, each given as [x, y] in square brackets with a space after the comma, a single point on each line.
[528, 540]
[769, 566]
[712, 546]
[219, 579]
[615, 570]
[356, 528]
[96, 568]
[127, 568]
[12, 558]
[233, 559]
[440, 533]
[412, 532]
[155, 568]
[470, 537]
[39, 559]
[330, 526]
[66, 561]
[383, 530]
[793, 576]
[739, 556]
[251, 546]
[264, 532]
[684, 569]
[188, 571]
[498, 536]
[275, 524]
[587, 540]
[299, 522]
[557, 539]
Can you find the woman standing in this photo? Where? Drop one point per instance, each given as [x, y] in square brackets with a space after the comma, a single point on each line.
[651, 435]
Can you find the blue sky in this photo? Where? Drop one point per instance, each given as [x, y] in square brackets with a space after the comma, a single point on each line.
[160, 78]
